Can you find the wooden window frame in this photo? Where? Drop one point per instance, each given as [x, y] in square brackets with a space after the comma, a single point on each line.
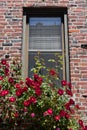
[45, 12]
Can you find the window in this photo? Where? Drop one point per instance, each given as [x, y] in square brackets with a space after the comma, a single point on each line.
[45, 31]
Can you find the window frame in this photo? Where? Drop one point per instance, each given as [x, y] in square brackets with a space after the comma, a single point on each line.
[45, 12]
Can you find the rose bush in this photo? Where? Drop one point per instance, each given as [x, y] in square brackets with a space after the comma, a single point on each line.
[35, 101]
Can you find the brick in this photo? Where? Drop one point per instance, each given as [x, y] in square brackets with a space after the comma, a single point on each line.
[7, 44]
[74, 31]
[82, 83]
[11, 29]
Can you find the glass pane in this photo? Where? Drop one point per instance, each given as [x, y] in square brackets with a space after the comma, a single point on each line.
[45, 33]
[46, 56]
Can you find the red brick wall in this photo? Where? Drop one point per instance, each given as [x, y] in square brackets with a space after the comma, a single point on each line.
[11, 16]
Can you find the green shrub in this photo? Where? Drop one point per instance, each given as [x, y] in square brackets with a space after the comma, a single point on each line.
[44, 105]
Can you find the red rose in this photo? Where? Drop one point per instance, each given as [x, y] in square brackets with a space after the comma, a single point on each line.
[6, 71]
[11, 80]
[37, 85]
[25, 89]
[16, 114]
[72, 111]
[17, 85]
[62, 113]
[26, 103]
[67, 115]
[12, 99]
[1, 78]
[4, 92]
[52, 72]
[85, 128]
[77, 106]
[69, 85]
[57, 118]
[45, 113]
[81, 123]
[60, 92]
[71, 101]
[38, 79]
[19, 92]
[64, 83]
[50, 111]
[69, 92]
[32, 115]
[67, 106]
[21, 82]
[29, 82]
[32, 99]
[38, 92]
[3, 62]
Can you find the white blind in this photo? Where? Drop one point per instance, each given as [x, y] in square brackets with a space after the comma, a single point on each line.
[44, 34]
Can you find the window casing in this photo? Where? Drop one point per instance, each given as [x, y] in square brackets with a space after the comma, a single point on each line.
[43, 28]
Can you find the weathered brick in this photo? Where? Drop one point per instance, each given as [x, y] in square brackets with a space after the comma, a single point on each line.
[11, 29]
[74, 31]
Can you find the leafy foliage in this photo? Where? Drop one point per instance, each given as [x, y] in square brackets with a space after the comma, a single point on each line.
[41, 102]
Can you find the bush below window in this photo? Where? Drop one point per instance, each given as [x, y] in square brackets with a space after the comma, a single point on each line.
[37, 103]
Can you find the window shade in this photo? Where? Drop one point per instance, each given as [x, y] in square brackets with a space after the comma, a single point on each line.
[45, 34]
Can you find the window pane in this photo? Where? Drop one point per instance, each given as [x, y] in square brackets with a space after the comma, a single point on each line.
[46, 56]
[45, 33]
